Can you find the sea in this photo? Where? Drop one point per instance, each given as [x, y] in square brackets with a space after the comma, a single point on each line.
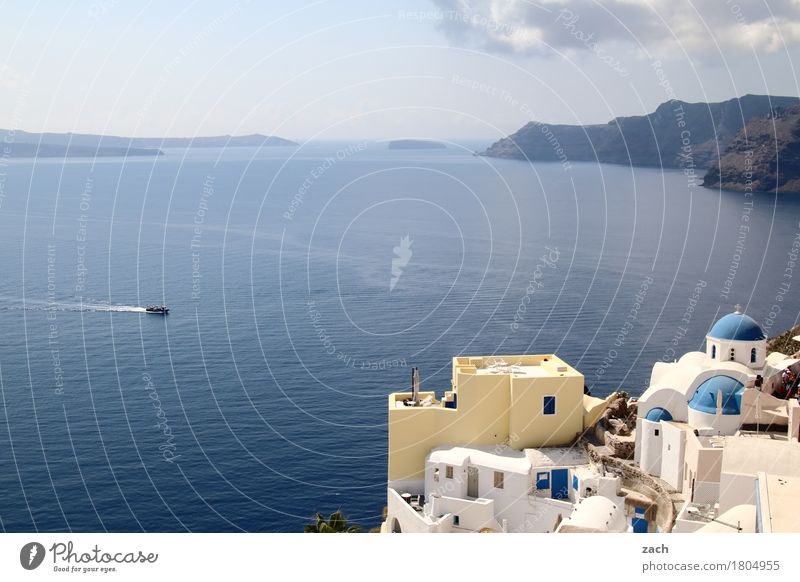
[304, 283]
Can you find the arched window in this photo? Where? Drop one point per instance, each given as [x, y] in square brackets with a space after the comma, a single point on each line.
[753, 356]
[713, 352]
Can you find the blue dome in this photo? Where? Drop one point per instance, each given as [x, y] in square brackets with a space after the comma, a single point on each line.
[656, 414]
[737, 326]
[705, 397]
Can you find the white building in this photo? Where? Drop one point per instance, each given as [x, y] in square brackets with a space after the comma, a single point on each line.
[469, 489]
[709, 423]
[711, 393]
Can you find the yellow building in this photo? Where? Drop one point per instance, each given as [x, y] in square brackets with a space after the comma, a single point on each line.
[516, 401]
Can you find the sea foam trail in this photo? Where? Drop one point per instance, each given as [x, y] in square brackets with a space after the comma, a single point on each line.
[44, 305]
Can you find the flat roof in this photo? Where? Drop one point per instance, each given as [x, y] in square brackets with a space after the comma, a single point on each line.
[494, 457]
[782, 493]
[508, 459]
[522, 365]
[516, 370]
[557, 457]
[748, 456]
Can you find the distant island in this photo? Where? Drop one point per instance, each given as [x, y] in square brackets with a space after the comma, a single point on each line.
[33, 150]
[415, 144]
[691, 136]
[23, 144]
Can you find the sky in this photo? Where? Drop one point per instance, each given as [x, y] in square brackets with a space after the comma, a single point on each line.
[381, 69]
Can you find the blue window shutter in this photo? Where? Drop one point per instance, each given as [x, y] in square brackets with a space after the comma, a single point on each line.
[543, 480]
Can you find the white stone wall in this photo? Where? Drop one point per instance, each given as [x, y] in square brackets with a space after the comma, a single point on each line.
[742, 351]
[473, 514]
[455, 487]
[510, 502]
[735, 489]
[673, 455]
[706, 492]
[543, 515]
[650, 459]
[794, 421]
[410, 521]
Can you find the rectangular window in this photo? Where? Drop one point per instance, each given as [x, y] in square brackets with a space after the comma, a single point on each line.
[656, 431]
[498, 479]
[456, 520]
[543, 480]
[448, 471]
[549, 405]
[575, 482]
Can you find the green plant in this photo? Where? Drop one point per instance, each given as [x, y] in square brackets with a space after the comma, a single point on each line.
[336, 523]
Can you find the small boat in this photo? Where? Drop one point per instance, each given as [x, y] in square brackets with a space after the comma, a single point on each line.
[161, 309]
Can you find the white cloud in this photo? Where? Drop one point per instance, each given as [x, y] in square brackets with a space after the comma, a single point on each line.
[657, 26]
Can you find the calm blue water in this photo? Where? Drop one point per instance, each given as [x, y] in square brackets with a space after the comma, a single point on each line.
[261, 398]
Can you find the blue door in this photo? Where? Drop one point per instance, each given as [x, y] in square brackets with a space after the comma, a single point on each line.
[559, 478]
[638, 522]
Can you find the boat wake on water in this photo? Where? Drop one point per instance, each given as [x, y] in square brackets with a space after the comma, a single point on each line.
[45, 305]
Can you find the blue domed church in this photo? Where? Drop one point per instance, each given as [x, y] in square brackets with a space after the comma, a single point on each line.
[709, 394]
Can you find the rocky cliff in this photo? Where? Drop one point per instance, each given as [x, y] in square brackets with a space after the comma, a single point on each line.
[764, 156]
[676, 135]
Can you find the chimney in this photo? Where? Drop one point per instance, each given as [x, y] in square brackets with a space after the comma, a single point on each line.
[415, 385]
